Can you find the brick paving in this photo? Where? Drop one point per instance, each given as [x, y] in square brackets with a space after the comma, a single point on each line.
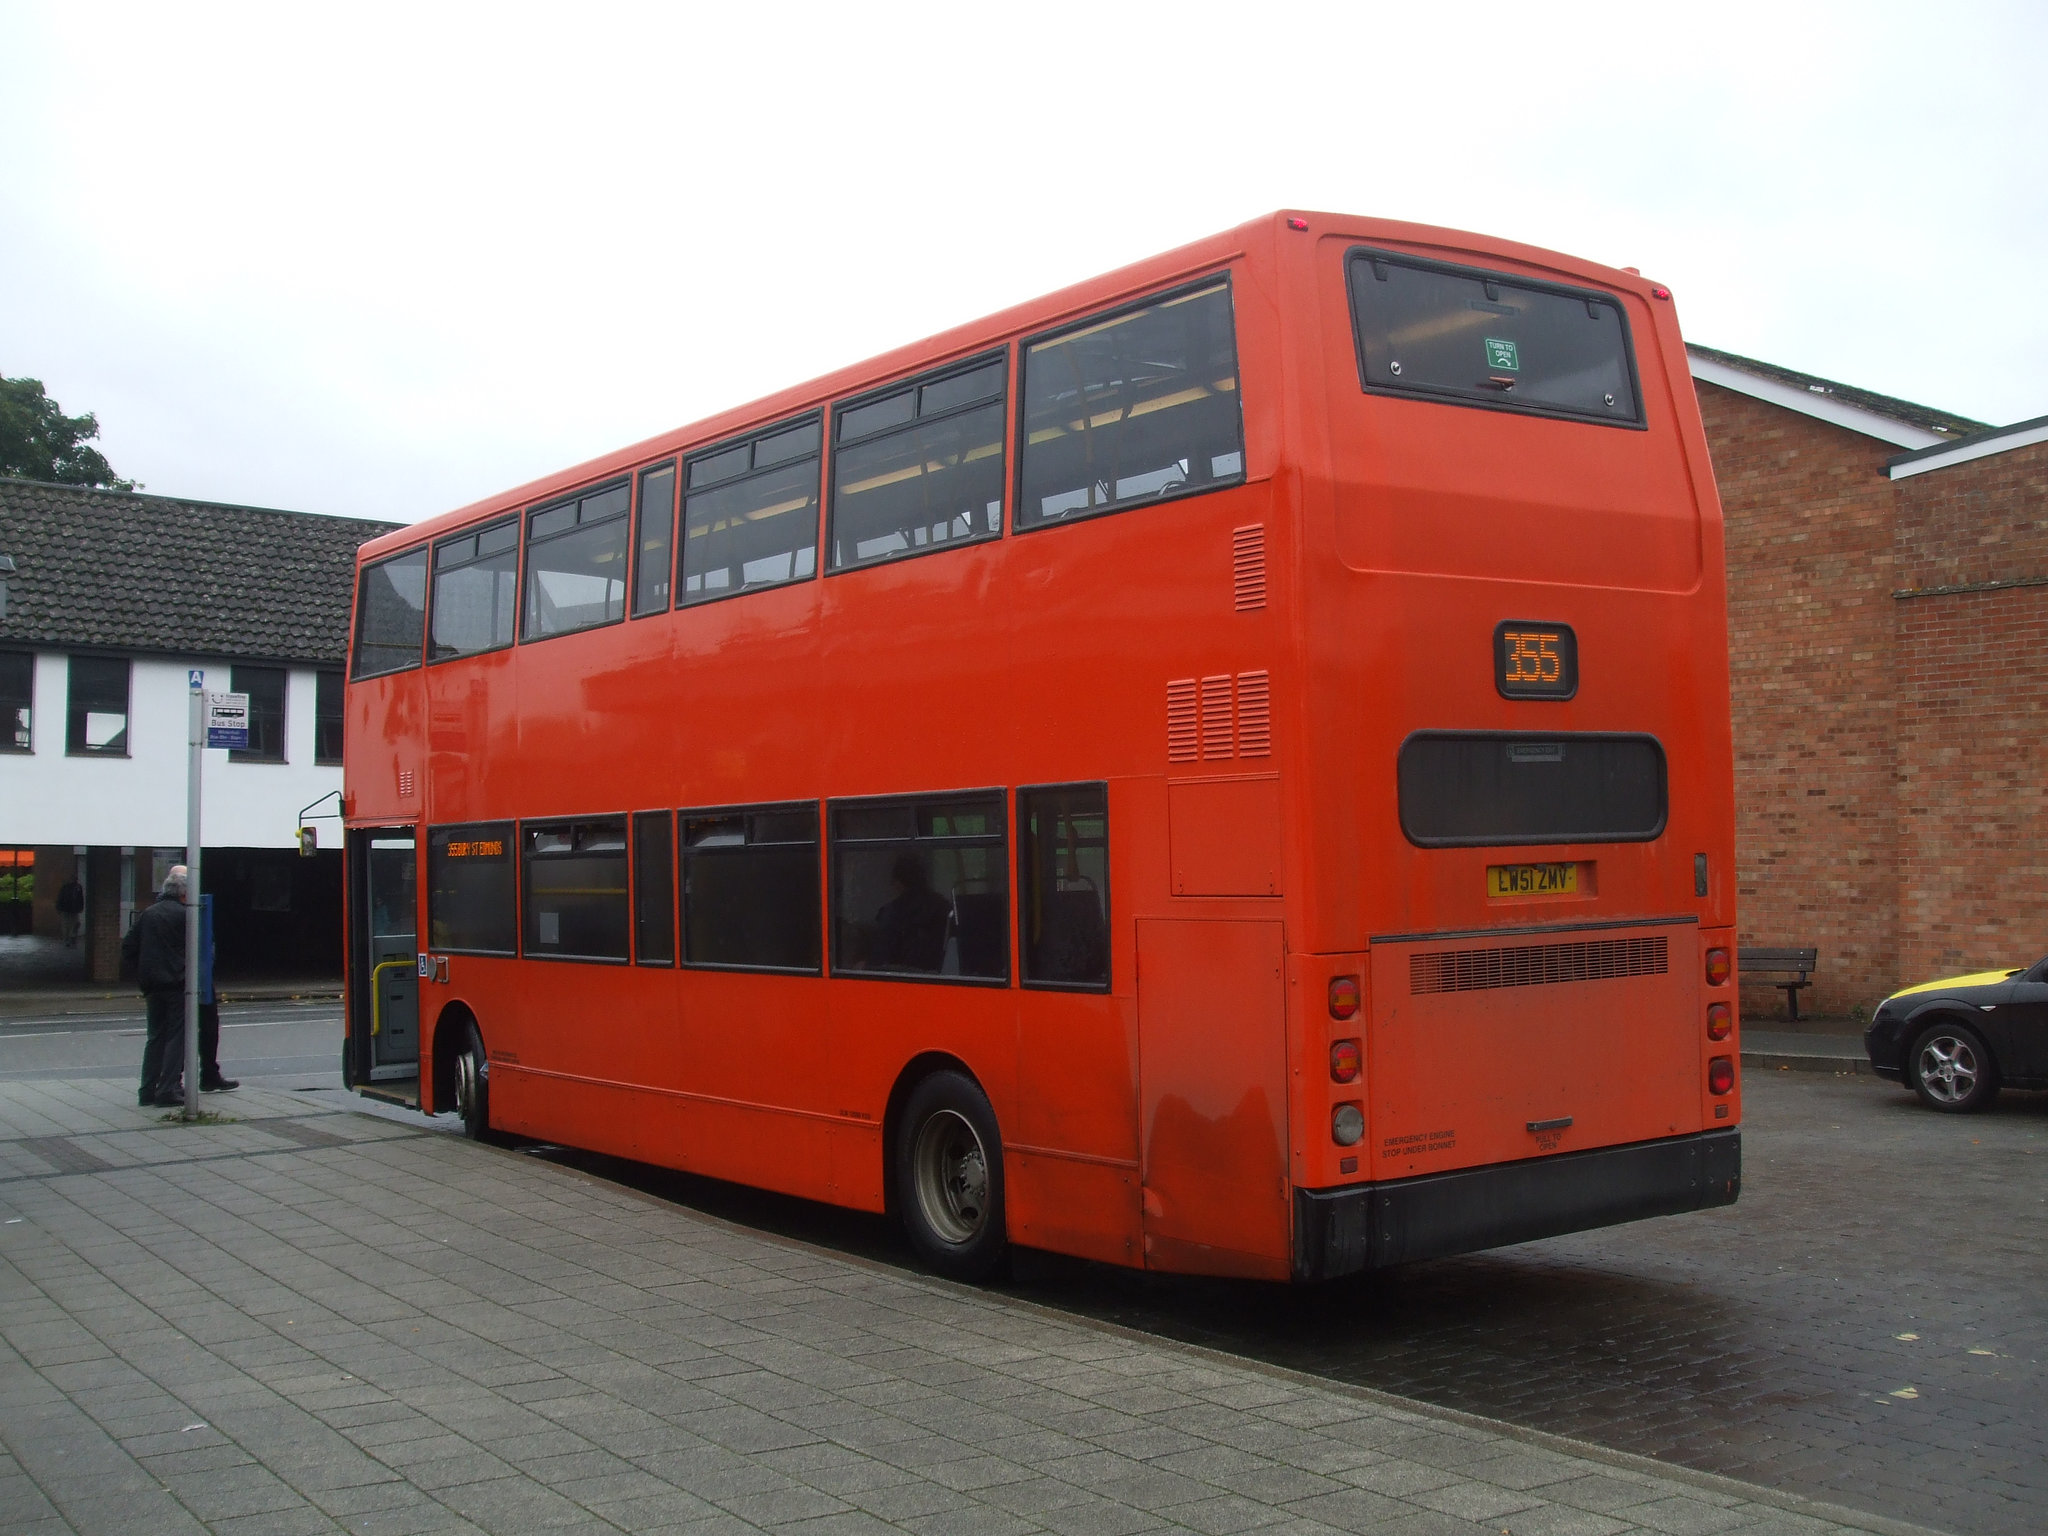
[237, 1327]
[1868, 1325]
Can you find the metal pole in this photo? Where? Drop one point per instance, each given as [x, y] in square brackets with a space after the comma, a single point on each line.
[192, 909]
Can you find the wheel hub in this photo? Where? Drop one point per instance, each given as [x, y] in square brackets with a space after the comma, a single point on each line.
[1948, 1068]
[951, 1170]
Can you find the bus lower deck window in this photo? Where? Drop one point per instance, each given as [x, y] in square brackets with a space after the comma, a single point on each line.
[575, 897]
[920, 887]
[472, 895]
[750, 888]
[1063, 885]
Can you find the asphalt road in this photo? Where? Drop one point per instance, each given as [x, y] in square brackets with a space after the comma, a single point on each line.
[1868, 1325]
[299, 1042]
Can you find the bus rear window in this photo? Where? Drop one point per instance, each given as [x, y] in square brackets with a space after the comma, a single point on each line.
[1479, 789]
[1474, 337]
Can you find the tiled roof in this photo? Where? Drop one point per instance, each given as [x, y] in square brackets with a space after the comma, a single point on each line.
[124, 571]
[1944, 423]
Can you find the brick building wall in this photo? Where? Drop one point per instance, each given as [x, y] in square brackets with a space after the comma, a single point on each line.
[1973, 712]
[1891, 751]
[1810, 552]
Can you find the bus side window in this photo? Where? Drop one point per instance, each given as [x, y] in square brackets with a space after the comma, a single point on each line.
[576, 564]
[1063, 880]
[921, 887]
[750, 888]
[576, 888]
[750, 513]
[472, 896]
[654, 888]
[656, 527]
[1136, 407]
[391, 614]
[476, 585]
[919, 465]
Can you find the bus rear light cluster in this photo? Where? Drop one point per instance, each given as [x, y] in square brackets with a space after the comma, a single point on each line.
[1721, 1075]
[1718, 967]
[1346, 1061]
[1347, 1124]
[1345, 997]
[1720, 1021]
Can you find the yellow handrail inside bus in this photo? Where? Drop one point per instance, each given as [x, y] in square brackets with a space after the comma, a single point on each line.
[377, 993]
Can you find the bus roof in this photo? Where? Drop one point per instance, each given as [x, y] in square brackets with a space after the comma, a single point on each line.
[1032, 314]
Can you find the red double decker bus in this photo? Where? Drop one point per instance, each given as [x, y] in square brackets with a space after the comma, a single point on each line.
[1223, 768]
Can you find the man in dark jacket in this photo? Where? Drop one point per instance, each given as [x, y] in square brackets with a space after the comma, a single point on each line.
[156, 947]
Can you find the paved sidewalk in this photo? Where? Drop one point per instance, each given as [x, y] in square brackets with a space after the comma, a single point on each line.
[313, 1320]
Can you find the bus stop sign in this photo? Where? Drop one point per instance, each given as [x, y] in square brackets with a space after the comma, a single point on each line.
[227, 720]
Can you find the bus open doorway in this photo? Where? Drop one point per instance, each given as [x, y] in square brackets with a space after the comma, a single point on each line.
[382, 1053]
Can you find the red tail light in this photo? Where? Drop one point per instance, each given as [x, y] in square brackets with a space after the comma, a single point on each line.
[1346, 1061]
[1721, 1075]
[1344, 997]
[1717, 967]
[1720, 1021]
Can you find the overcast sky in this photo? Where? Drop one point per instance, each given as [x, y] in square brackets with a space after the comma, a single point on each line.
[385, 261]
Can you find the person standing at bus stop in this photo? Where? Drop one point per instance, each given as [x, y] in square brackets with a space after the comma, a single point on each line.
[210, 1079]
[71, 907]
[156, 948]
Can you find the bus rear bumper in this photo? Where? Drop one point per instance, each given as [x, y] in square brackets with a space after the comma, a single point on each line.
[1370, 1226]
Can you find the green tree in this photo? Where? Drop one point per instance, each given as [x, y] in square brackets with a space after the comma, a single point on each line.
[39, 442]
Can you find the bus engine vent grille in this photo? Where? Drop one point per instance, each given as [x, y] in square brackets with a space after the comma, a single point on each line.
[1180, 720]
[1248, 566]
[1216, 713]
[1537, 965]
[1254, 714]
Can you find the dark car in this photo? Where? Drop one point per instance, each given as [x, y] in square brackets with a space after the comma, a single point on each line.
[1956, 1042]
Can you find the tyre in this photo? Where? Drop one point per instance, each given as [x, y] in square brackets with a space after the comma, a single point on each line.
[949, 1178]
[473, 1085]
[1951, 1068]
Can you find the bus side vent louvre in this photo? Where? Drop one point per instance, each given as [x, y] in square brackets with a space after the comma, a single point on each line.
[1248, 566]
[1216, 734]
[1180, 720]
[1254, 715]
[1536, 965]
[405, 781]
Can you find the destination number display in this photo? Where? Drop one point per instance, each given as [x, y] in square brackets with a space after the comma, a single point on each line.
[1535, 661]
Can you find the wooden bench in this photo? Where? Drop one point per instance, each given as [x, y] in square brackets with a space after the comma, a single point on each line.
[1796, 963]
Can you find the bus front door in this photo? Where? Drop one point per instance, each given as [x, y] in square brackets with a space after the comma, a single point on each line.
[1212, 1072]
[384, 997]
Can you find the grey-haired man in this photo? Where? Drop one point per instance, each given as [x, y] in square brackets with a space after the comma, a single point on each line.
[156, 947]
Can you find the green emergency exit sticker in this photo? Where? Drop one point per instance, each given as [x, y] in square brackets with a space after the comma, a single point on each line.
[1503, 356]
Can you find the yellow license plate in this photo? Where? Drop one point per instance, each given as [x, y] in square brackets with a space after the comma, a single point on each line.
[1532, 879]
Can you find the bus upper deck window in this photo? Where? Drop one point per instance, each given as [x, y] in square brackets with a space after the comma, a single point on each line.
[391, 614]
[1134, 407]
[919, 465]
[750, 514]
[576, 564]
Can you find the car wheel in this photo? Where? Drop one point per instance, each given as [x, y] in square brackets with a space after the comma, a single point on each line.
[1952, 1069]
[949, 1178]
[473, 1086]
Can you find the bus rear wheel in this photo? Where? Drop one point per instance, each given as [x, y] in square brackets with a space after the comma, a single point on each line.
[949, 1178]
[473, 1085]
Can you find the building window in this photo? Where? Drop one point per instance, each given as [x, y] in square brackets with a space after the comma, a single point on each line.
[472, 899]
[919, 465]
[750, 888]
[476, 591]
[576, 564]
[17, 701]
[265, 687]
[750, 513]
[654, 888]
[920, 887]
[327, 717]
[391, 614]
[652, 560]
[96, 723]
[576, 907]
[1133, 408]
[1063, 885]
